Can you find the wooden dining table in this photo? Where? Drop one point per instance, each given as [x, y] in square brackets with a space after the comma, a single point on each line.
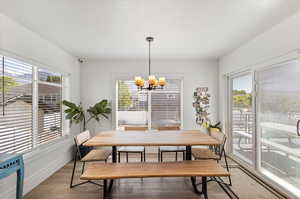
[186, 138]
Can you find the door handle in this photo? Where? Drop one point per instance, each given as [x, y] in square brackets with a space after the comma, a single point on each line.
[298, 125]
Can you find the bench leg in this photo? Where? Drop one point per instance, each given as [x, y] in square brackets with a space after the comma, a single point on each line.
[104, 188]
[204, 187]
[193, 179]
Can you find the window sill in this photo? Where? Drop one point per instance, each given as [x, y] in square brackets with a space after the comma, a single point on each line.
[47, 147]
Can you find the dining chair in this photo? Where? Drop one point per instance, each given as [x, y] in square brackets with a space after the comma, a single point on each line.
[213, 153]
[86, 154]
[176, 149]
[133, 149]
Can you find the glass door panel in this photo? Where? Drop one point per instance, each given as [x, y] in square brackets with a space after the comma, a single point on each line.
[132, 105]
[278, 113]
[242, 117]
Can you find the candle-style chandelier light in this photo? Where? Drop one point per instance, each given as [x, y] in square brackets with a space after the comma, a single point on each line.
[153, 83]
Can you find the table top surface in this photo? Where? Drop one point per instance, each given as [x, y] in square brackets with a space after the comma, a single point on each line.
[151, 138]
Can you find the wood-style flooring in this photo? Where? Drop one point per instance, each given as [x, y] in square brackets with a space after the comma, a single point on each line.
[57, 186]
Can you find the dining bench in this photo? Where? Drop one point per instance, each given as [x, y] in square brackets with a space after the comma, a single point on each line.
[188, 168]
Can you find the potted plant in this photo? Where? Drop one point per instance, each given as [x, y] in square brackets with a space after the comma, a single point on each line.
[77, 114]
[215, 127]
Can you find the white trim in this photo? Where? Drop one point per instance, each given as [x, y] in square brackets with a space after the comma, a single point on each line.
[35, 105]
[117, 105]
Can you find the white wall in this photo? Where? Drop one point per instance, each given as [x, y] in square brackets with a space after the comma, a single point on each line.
[98, 82]
[16, 40]
[279, 40]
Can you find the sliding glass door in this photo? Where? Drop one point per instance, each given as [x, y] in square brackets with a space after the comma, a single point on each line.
[265, 128]
[278, 114]
[242, 117]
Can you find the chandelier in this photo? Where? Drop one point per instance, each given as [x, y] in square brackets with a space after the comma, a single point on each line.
[152, 83]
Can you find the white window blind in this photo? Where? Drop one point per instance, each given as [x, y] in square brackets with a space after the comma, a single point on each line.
[16, 106]
[138, 108]
[49, 106]
[30, 106]
[166, 105]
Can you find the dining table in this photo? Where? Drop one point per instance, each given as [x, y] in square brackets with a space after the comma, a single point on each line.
[117, 138]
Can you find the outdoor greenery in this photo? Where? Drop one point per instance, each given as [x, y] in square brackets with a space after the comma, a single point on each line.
[242, 99]
[124, 98]
[9, 83]
[76, 113]
[54, 79]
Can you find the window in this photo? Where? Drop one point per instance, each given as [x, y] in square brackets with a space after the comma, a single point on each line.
[152, 109]
[30, 106]
[49, 106]
[16, 106]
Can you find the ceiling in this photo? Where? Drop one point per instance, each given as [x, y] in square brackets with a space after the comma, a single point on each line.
[98, 29]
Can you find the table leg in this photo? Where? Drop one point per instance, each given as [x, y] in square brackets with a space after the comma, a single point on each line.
[188, 153]
[189, 157]
[104, 188]
[114, 160]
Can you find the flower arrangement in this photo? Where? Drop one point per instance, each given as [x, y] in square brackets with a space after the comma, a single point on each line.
[201, 105]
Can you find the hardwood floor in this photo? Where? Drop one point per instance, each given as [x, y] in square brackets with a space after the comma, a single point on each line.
[57, 186]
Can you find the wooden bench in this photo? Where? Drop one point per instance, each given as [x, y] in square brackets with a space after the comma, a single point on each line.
[199, 168]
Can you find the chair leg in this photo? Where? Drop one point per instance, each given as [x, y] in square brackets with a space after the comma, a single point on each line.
[183, 155]
[141, 156]
[176, 157]
[161, 156]
[83, 165]
[126, 156]
[74, 166]
[227, 168]
[158, 155]
[119, 157]
[144, 155]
